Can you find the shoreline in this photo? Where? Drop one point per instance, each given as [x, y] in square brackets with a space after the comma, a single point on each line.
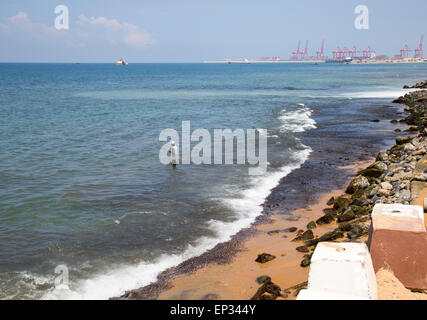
[229, 271]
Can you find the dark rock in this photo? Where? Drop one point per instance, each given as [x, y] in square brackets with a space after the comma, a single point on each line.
[306, 261]
[402, 140]
[371, 172]
[348, 225]
[330, 211]
[374, 171]
[264, 257]
[329, 236]
[358, 194]
[311, 225]
[326, 219]
[302, 249]
[347, 215]
[419, 85]
[307, 235]
[358, 183]
[341, 203]
[362, 201]
[262, 279]
[211, 296]
[268, 291]
[330, 202]
[291, 229]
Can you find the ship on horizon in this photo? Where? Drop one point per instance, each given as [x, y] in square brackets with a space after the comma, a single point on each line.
[121, 62]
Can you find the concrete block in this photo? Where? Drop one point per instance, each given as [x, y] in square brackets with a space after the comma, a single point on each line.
[399, 210]
[323, 295]
[398, 240]
[343, 268]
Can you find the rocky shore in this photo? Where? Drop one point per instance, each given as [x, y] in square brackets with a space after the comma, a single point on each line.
[387, 180]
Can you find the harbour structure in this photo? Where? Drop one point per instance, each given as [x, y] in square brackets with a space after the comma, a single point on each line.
[345, 55]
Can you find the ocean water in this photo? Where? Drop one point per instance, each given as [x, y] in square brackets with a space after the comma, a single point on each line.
[81, 184]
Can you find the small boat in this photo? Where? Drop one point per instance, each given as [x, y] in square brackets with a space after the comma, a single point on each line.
[121, 62]
[245, 61]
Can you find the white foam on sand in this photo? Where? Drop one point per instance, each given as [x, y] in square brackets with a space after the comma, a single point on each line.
[247, 205]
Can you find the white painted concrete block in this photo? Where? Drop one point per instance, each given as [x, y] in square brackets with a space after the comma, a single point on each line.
[399, 210]
[343, 268]
[323, 295]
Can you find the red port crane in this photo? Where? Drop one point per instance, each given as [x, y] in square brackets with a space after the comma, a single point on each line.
[320, 55]
[353, 52]
[368, 53]
[304, 54]
[419, 51]
[337, 53]
[296, 54]
[404, 52]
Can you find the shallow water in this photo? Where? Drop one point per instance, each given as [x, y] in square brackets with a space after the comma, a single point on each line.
[81, 184]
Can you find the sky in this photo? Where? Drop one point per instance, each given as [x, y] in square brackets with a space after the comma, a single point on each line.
[197, 30]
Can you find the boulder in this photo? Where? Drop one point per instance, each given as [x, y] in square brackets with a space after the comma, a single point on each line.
[268, 291]
[358, 183]
[329, 236]
[326, 219]
[382, 156]
[262, 279]
[311, 225]
[375, 170]
[386, 186]
[302, 249]
[306, 261]
[341, 203]
[264, 257]
[402, 140]
[307, 235]
[330, 202]
[347, 215]
[383, 193]
[362, 201]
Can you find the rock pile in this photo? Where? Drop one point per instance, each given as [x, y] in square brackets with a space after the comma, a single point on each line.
[419, 85]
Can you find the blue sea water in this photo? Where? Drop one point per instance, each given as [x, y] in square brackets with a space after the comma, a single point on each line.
[81, 184]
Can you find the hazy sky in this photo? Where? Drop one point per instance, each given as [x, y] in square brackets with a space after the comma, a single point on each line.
[194, 30]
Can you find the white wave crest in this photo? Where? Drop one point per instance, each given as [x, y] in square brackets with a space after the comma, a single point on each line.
[297, 121]
[247, 206]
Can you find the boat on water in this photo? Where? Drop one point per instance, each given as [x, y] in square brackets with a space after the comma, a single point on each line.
[245, 61]
[121, 62]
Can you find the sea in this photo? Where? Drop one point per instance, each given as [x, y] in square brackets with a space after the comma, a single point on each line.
[88, 211]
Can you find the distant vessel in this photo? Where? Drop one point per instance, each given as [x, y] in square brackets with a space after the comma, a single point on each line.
[121, 62]
[245, 61]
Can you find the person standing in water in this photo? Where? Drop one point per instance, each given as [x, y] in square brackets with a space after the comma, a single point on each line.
[174, 151]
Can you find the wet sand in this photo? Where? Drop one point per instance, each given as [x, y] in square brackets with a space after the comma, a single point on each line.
[237, 280]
